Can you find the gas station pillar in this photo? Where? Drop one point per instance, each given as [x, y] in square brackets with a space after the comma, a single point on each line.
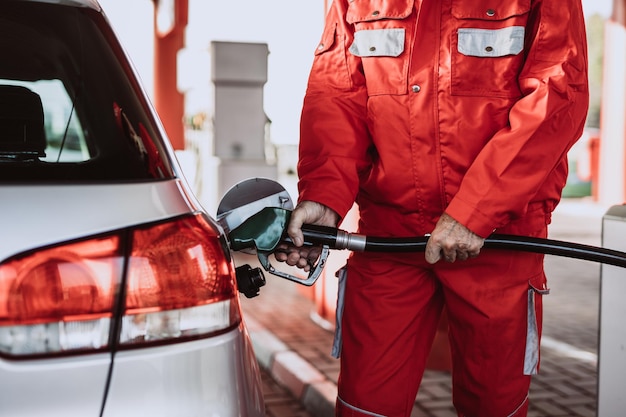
[241, 126]
[612, 338]
[170, 21]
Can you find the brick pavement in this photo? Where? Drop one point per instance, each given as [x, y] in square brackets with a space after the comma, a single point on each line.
[279, 402]
[294, 351]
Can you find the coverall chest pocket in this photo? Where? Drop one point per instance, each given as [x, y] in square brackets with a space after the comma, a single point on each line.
[381, 29]
[488, 47]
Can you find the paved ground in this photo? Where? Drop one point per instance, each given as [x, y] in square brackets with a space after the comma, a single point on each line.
[300, 375]
[279, 402]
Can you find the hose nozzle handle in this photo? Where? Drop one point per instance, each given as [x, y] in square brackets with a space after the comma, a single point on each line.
[333, 238]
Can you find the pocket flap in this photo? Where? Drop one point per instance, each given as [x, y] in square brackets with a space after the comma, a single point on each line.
[368, 10]
[328, 39]
[491, 43]
[487, 10]
[378, 42]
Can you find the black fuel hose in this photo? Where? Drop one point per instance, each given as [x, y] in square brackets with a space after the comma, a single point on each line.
[339, 239]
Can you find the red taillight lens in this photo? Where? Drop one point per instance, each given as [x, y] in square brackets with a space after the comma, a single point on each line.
[59, 299]
[179, 284]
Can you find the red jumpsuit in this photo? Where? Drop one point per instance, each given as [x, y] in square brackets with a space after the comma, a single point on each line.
[418, 107]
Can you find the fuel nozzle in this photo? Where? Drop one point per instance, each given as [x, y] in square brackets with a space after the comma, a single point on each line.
[262, 232]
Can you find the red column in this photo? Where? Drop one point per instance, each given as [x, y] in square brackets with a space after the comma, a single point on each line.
[170, 21]
[619, 12]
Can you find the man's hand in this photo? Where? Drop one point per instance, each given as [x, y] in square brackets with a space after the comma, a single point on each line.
[453, 241]
[306, 212]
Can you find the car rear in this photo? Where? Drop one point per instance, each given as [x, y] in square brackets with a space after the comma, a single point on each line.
[117, 291]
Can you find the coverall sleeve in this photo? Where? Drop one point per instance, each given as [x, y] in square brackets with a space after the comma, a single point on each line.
[543, 125]
[334, 139]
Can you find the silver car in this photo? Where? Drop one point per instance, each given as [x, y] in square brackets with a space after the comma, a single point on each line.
[118, 294]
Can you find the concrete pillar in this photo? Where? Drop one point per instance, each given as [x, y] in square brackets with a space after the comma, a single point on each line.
[612, 338]
[241, 127]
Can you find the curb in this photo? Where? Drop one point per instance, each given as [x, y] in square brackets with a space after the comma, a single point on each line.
[315, 392]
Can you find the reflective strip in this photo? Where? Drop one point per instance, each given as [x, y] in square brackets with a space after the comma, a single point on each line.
[531, 357]
[351, 407]
[491, 43]
[341, 289]
[518, 407]
[378, 42]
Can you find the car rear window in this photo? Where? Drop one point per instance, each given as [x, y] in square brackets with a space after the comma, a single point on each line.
[70, 107]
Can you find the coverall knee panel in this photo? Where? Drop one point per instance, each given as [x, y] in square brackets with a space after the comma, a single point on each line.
[489, 329]
[391, 312]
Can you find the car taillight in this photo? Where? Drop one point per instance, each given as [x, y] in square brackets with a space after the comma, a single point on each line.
[179, 284]
[59, 299]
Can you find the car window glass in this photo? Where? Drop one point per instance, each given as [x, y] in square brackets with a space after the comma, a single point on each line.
[71, 107]
[63, 131]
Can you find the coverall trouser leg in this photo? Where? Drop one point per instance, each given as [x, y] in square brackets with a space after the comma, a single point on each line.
[391, 310]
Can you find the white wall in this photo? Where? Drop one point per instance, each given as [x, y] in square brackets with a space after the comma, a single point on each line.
[290, 28]
[132, 21]
[602, 7]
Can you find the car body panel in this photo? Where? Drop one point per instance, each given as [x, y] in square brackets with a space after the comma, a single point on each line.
[54, 387]
[181, 380]
[93, 4]
[73, 211]
[156, 381]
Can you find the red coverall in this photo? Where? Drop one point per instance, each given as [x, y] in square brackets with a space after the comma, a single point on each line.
[419, 107]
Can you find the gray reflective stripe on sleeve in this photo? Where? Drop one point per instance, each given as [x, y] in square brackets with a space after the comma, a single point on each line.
[351, 407]
[378, 42]
[531, 357]
[341, 288]
[491, 43]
